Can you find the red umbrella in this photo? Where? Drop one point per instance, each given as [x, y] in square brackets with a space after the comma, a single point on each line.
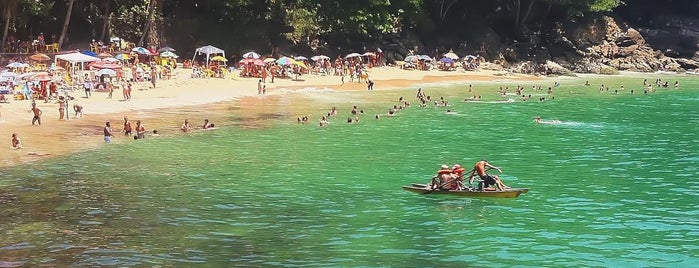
[252, 61]
[104, 65]
[41, 76]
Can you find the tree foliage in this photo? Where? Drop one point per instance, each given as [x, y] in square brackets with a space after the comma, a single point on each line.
[294, 24]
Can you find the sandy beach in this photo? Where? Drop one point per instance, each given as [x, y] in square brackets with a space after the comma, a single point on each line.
[173, 100]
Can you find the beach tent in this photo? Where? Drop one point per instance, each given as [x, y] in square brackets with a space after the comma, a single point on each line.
[208, 50]
[75, 58]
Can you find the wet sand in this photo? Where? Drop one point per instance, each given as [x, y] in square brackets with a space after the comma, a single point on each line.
[165, 107]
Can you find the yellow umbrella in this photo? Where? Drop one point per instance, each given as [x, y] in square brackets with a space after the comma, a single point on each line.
[267, 60]
[219, 58]
[300, 64]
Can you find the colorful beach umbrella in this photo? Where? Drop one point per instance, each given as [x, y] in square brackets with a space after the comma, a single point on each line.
[268, 60]
[251, 55]
[219, 58]
[352, 55]
[301, 64]
[40, 57]
[285, 61]
[300, 58]
[369, 54]
[122, 56]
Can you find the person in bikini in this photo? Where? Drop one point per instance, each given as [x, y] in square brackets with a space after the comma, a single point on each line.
[489, 180]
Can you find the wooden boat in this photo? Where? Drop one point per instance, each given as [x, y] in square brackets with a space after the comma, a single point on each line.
[507, 193]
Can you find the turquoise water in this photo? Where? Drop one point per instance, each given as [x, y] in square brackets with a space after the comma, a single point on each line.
[613, 184]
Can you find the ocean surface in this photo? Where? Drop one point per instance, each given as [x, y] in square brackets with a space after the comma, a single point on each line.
[614, 182]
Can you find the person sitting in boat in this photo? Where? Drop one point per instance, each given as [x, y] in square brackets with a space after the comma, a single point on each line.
[488, 180]
[458, 172]
[444, 179]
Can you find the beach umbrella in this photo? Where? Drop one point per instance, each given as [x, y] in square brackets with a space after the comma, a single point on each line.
[169, 54]
[268, 60]
[300, 58]
[40, 57]
[251, 55]
[411, 58]
[108, 72]
[424, 57]
[166, 49]
[104, 55]
[104, 65]
[110, 60]
[301, 64]
[469, 57]
[56, 68]
[17, 65]
[285, 61]
[351, 55]
[41, 76]
[247, 61]
[451, 55]
[122, 56]
[320, 57]
[141, 50]
[219, 58]
[89, 53]
[369, 54]
[447, 60]
[8, 76]
[26, 75]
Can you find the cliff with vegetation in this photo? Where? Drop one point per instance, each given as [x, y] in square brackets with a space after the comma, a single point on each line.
[544, 36]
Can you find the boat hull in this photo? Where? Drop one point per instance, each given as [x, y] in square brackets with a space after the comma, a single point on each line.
[507, 193]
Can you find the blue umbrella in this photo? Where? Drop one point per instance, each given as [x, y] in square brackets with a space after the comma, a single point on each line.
[446, 60]
[141, 50]
[89, 53]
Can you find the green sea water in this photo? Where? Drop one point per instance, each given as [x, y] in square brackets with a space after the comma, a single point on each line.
[614, 183]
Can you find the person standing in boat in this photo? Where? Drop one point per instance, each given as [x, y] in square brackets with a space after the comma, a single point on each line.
[489, 180]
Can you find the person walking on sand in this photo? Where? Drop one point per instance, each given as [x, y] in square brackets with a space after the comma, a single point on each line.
[259, 87]
[88, 86]
[127, 126]
[153, 76]
[108, 133]
[61, 108]
[16, 142]
[37, 114]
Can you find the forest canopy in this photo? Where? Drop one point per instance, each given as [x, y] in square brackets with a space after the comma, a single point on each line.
[266, 25]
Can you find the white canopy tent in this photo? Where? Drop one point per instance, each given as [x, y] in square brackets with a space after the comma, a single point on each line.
[74, 58]
[208, 50]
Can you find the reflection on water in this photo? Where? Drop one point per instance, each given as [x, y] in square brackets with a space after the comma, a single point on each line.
[617, 191]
